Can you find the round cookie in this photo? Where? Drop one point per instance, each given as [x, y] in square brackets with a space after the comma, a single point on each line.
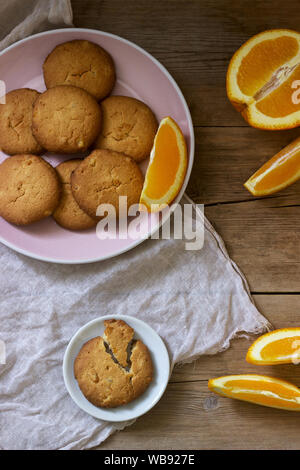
[15, 122]
[83, 64]
[29, 189]
[68, 214]
[66, 119]
[128, 126]
[103, 177]
[101, 377]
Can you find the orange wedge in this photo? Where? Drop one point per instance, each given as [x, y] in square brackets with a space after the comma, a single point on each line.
[277, 173]
[277, 347]
[167, 167]
[259, 389]
[262, 77]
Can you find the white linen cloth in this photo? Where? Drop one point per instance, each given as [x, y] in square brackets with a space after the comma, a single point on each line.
[197, 301]
[21, 18]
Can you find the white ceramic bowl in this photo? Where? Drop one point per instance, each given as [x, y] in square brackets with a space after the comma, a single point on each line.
[148, 399]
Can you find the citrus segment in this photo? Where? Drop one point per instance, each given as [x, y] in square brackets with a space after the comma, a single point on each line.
[279, 103]
[259, 389]
[167, 167]
[277, 173]
[260, 78]
[277, 347]
[258, 66]
[162, 171]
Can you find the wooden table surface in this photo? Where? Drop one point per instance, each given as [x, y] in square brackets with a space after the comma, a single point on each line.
[194, 40]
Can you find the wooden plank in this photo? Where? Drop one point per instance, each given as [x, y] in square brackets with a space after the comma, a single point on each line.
[194, 39]
[182, 419]
[261, 235]
[263, 238]
[226, 157]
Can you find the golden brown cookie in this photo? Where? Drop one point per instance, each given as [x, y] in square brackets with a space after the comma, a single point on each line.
[103, 380]
[29, 189]
[128, 126]
[103, 177]
[66, 119]
[68, 213]
[15, 122]
[83, 64]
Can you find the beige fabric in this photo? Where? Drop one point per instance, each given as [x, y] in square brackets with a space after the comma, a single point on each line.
[21, 18]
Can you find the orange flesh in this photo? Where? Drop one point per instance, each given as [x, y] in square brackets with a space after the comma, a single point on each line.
[282, 347]
[164, 166]
[279, 102]
[287, 168]
[281, 391]
[260, 385]
[267, 401]
[263, 60]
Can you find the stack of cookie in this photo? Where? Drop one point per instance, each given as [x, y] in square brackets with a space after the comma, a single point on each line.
[74, 115]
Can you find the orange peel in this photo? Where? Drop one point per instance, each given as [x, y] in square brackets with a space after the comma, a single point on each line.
[262, 77]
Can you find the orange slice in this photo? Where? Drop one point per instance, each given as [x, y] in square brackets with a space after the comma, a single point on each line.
[259, 389]
[277, 173]
[167, 167]
[277, 347]
[262, 77]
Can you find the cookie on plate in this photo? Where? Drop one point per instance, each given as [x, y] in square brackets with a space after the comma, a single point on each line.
[83, 64]
[102, 378]
[103, 177]
[66, 119]
[29, 189]
[15, 122]
[128, 126]
[68, 213]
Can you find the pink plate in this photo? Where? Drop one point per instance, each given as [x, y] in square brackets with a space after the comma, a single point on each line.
[138, 75]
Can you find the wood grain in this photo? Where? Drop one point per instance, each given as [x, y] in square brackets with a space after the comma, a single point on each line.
[195, 40]
[226, 157]
[182, 419]
[263, 237]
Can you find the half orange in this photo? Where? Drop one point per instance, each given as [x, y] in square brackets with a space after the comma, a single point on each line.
[277, 347]
[167, 167]
[262, 77]
[277, 173]
[259, 389]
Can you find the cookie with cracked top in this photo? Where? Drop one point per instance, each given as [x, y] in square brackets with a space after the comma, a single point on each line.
[83, 64]
[15, 122]
[104, 176]
[68, 213]
[29, 189]
[103, 380]
[128, 126]
[66, 119]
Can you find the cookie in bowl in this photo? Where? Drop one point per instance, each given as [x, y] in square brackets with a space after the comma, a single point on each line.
[66, 119]
[83, 64]
[104, 176]
[15, 123]
[68, 214]
[129, 126]
[115, 369]
[29, 189]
